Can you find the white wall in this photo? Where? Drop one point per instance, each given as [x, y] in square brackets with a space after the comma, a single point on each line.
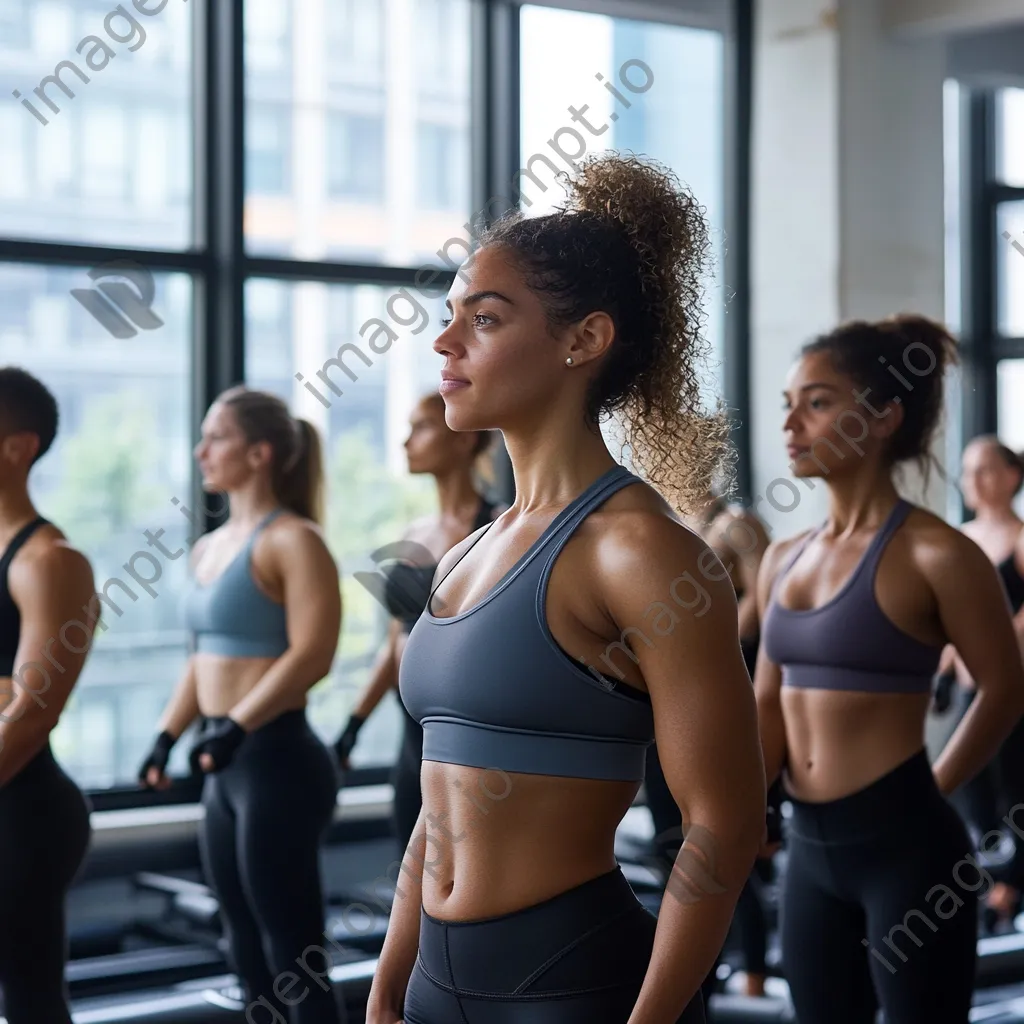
[848, 216]
[795, 227]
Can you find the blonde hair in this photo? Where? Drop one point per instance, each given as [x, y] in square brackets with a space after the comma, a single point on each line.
[296, 465]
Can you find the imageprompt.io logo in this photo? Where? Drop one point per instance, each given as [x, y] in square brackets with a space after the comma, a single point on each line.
[122, 309]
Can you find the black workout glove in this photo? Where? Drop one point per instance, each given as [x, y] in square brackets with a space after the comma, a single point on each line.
[220, 739]
[347, 740]
[158, 756]
[942, 696]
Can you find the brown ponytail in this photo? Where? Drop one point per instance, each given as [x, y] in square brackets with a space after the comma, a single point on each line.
[296, 465]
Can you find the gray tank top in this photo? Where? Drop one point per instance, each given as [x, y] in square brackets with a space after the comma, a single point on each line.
[492, 688]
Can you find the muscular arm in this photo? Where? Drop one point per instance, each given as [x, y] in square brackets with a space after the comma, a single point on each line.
[50, 586]
[975, 616]
[183, 707]
[768, 675]
[653, 572]
[398, 954]
[312, 601]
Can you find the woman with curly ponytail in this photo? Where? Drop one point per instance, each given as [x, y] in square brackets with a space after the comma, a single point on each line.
[582, 622]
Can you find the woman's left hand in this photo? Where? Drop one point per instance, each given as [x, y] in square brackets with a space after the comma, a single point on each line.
[217, 747]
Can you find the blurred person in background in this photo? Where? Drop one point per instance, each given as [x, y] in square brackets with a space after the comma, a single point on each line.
[46, 593]
[264, 611]
[457, 461]
[991, 477]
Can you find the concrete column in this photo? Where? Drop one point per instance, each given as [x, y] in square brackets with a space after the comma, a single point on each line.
[848, 216]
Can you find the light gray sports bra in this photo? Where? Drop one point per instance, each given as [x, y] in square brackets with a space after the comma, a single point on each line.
[231, 616]
[492, 688]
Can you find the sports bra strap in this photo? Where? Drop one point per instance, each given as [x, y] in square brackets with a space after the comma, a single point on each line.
[264, 522]
[430, 599]
[871, 557]
[795, 554]
[17, 541]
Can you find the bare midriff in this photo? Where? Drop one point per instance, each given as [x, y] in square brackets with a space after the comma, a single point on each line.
[500, 841]
[839, 742]
[221, 682]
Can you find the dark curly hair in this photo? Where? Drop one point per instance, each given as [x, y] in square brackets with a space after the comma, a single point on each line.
[632, 242]
[27, 404]
[900, 360]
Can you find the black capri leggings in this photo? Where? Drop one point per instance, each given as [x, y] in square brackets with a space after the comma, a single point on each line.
[879, 905]
[260, 844]
[44, 833]
[578, 958]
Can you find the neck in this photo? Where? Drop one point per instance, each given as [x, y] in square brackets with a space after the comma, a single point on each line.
[554, 460]
[998, 515]
[455, 492]
[251, 503]
[862, 501]
[16, 509]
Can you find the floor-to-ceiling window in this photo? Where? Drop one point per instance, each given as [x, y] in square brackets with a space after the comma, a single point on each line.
[991, 264]
[369, 134]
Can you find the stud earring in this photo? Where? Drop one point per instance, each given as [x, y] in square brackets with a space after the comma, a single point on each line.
[568, 360]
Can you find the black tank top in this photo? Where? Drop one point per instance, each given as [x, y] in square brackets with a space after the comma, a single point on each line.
[10, 617]
[1013, 581]
[408, 586]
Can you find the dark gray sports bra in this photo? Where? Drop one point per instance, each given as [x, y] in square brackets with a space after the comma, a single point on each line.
[849, 643]
[492, 688]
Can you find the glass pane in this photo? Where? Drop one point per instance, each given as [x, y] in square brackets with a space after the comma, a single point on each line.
[669, 82]
[1010, 269]
[97, 144]
[353, 360]
[1010, 136]
[120, 371]
[1010, 407]
[358, 123]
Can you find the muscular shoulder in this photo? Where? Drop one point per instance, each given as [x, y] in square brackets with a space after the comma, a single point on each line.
[637, 550]
[46, 563]
[936, 548]
[290, 535]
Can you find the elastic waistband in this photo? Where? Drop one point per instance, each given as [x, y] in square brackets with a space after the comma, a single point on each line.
[595, 894]
[451, 741]
[834, 677]
[898, 799]
[506, 956]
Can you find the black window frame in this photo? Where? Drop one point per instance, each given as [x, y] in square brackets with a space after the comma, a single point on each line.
[983, 345]
[219, 263]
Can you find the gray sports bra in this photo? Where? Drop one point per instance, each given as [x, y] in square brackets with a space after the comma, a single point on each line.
[231, 616]
[848, 643]
[492, 688]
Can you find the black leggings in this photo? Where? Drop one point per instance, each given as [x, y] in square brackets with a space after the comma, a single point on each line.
[44, 833]
[578, 958]
[260, 844]
[993, 793]
[405, 780]
[879, 905]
